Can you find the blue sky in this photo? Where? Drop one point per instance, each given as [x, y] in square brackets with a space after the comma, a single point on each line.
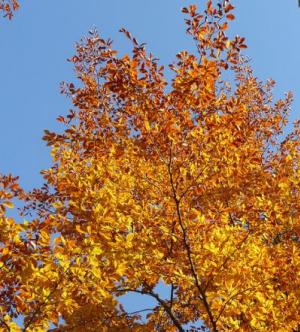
[37, 42]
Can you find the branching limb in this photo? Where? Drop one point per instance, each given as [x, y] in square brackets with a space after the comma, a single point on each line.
[165, 306]
[187, 247]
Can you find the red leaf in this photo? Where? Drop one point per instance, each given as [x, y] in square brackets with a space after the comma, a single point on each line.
[228, 8]
[230, 17]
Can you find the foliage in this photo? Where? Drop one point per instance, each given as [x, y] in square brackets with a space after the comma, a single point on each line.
[8, 7]
[185, 183]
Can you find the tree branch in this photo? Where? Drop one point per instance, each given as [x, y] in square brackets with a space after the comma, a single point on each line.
[3, 323]
[188, 248]
[167, 309]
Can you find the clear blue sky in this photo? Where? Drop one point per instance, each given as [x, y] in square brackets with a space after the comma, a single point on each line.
[36, 44]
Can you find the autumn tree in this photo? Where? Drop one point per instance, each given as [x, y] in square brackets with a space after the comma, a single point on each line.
[186, 183]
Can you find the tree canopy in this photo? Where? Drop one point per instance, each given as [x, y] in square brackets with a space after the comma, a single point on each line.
[188, 183]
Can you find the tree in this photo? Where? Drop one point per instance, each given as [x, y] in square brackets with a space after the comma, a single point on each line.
[187, 183]
[8, 7]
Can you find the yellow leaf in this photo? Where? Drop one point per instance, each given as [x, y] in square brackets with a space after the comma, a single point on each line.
[8, 204]
[147, 125]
